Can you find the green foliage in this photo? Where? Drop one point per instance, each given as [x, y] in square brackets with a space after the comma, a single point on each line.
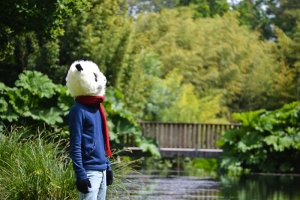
[141, 75]
[186, 166]
[201, 8]
[216, 58]
[21, 17]
[6, 110]
[220, 63]
[102, 35]
[259, 187]
[254, 15]
[36, 100]
[208, 8]
[200, 167]
[33, 98]
[173, 100]
[267, 141]
[39, 168]
[264, 15]
[36, 84]
[122, 124]
[34, 169]
[277, 20]
[140, 6]
[30, 53]
[286, 14]
[161, 165]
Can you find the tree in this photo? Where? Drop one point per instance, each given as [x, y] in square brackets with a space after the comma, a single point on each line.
[263, 15]
[26, 26]
[178, 102]
[286, 14]
[285, 88]
[140, 6]
[102, 35]
[207, 8]
[216, 55]
[19, 17]
[254, 15]
[202, 8]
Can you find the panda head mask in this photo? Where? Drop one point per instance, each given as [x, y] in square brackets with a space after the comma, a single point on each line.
[85, 79]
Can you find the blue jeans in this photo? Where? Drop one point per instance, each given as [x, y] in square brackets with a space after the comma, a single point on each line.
[98, 189]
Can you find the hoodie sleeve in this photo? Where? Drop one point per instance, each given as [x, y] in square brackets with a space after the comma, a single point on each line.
[76, 118]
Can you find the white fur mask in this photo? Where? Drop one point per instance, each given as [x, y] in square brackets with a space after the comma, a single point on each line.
[85, 79]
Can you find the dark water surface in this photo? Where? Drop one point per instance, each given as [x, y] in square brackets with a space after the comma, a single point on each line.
[253, 187]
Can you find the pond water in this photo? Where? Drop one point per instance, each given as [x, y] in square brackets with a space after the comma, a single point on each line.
[170, 186]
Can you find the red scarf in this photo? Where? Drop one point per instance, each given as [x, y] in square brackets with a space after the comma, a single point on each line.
[93, 100]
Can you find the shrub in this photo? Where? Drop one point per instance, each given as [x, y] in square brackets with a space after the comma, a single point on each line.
[267, 141]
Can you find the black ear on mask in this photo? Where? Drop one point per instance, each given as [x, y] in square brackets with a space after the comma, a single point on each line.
[78, 67]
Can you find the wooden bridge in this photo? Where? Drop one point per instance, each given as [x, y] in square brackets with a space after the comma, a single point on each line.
[185, 139]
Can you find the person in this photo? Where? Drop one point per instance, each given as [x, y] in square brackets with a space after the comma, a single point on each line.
[89, 139]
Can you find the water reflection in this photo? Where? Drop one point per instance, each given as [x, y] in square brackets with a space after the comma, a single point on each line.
[261, 187]
[176, 186]
[171, 187]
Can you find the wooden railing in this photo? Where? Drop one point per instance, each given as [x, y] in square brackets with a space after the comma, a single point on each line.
[185, 135]
[182, 139]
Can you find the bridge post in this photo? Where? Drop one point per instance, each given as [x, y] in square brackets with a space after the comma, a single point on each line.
[196, 139]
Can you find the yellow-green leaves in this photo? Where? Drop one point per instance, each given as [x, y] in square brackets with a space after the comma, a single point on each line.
[222, 64]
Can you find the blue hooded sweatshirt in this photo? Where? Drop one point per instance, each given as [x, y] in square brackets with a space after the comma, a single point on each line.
[86, 140]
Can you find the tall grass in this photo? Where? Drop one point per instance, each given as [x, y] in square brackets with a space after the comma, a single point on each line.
[122, 166]
[34, 169]
[37, 167]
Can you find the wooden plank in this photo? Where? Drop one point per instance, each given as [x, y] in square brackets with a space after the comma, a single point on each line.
[201, 137]
[209, 136]
[177, 135]
[193, 136]
[218, 133]
[170, 135]
[189, 135]
[163, 135]
[197, 137]
[183, 135]
[205, 136]
[213, 136]
[166, 138]
[156, 134]
[160, 135]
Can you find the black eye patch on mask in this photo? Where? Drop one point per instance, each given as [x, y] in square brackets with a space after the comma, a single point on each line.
[96, 77]
[78, 67]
